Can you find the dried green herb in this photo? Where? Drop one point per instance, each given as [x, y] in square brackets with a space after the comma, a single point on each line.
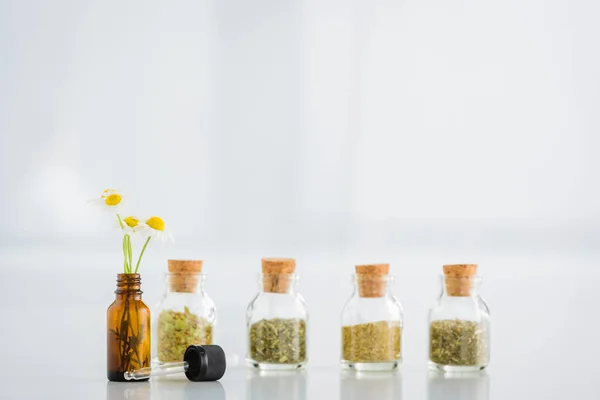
[278, 341]
[177, 330]
[372, 342]
[457, 342]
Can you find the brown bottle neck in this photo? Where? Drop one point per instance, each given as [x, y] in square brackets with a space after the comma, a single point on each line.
[129, 286]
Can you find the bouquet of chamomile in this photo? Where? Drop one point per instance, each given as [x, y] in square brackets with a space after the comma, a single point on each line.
[149, 229]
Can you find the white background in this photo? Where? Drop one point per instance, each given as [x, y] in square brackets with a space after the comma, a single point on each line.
[415, 132]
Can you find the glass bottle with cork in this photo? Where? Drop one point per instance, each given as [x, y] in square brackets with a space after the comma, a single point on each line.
[186, 315]
[459, 322]
[277, 318]
[372, 322]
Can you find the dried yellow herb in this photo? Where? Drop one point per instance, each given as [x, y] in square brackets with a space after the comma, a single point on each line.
[457, 342]
[178, 330]
[278, 341]
[372, 342]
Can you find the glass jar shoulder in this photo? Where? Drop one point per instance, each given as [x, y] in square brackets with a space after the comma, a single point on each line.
[199, 304]
[266, 306]
[359, 310]
[472, 308]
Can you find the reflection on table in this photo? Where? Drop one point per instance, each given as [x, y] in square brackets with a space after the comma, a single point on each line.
[157, 388]
[289, 385]
[128, 391]
[458, 386]
[370, 385]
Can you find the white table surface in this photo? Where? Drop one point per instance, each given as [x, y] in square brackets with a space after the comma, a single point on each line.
[536, 382]
[544, 333]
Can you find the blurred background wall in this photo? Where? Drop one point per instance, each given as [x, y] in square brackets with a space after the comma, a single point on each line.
[418, 132]
[257, 123]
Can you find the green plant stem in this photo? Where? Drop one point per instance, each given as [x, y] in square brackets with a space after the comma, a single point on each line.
[141, 254]
[126, 248]
[129, 252]
[120, 221]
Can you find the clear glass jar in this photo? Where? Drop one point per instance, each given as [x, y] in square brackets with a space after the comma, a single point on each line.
[372, 323]
[277, 319]
[459, 326]
[185, 315]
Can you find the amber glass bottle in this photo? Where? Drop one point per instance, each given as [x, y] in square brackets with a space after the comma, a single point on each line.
[128, 329]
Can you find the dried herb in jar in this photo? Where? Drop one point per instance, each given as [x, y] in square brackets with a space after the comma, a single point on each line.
[457, 342]
[178, 330]
[372, 342]
[278, 341]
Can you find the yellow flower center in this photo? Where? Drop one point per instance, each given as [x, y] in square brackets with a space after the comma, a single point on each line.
[156, 223]
[112, 199]
[131, 222]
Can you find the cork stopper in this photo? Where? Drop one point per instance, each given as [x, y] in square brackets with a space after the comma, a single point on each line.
[458, 278]
[370, 279]
[276, 274]
[183, 276]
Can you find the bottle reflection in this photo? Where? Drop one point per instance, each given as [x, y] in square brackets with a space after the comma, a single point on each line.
[458, 386]
[369, 385]
[128, 391]
[177, 389]
[289, 385]
[164, 389]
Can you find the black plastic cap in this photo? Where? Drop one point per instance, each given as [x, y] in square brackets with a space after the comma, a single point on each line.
[206, 362]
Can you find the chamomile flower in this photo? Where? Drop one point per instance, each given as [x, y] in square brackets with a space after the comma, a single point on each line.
[110, 198]
[132, 225]
[157, 230]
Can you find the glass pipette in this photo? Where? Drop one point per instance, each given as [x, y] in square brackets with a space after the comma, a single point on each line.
[159, 370]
